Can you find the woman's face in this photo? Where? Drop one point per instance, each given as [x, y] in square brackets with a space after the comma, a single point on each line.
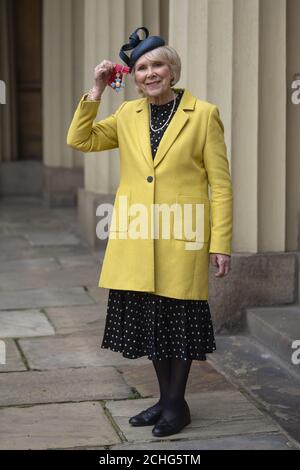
[152, 77]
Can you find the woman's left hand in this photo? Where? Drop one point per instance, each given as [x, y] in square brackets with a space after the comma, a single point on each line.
[222, 262]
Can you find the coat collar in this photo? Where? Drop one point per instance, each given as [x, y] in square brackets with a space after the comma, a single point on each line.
[178, 121]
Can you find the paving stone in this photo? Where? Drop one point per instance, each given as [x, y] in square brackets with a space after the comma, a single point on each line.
[12, 242]
[14, 360]
[46, 297]
[46, 264]
[98, 254]
[38, 223]
[74, 261]
[15, 253]
[272, 441]
[98, 293]
[62, 385]
[55, 426]
[51, 238]
[64, 277]
[85, 448]
[71, 319]
[213, 414]
[17, 202]
[21, 323]
[66, 214]
[18, 217]
[76, 350]
[202, 377]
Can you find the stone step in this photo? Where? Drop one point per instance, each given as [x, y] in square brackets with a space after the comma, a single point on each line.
[278, 329]
[263, 377]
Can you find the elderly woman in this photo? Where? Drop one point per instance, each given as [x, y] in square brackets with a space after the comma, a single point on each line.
[171, 147]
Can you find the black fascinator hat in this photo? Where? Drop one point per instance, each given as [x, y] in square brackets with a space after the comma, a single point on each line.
[139, 46]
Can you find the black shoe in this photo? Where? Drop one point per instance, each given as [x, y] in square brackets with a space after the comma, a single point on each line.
[146, 417]
[165, 428]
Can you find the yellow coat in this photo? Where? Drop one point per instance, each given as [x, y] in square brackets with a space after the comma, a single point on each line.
[191, 157]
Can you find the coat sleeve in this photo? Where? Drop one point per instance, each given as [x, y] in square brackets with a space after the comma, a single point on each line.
[86, 135]
[217, 168]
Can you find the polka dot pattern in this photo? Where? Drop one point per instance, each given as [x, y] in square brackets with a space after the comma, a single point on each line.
[145, 324]
[159, 115]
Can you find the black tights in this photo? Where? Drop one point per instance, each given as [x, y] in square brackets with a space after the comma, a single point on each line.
[172, 375]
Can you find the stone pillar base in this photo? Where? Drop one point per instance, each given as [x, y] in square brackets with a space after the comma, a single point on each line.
[61, 185]
[87, 219]
[21, 178]
[255, 280]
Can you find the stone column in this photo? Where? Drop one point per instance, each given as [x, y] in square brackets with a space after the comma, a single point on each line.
[271, 96]
[62, 168]
[202, 33]
[293, 126]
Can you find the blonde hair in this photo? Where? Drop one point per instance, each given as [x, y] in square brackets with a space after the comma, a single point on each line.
[166, 54]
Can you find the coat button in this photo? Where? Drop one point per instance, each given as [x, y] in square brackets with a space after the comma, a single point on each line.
[149, 179]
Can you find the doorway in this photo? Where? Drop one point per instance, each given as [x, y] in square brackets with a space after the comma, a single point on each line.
[27, 31]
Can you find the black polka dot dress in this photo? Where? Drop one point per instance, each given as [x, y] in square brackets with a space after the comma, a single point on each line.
[145, 324]
[159, 115]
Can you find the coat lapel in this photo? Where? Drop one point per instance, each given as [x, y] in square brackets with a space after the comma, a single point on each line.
[178, 121]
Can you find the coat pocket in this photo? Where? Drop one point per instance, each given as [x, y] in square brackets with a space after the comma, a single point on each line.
[120, 214]
[192, 218]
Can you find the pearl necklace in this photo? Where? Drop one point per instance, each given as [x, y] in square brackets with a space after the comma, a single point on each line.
[156, 130]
